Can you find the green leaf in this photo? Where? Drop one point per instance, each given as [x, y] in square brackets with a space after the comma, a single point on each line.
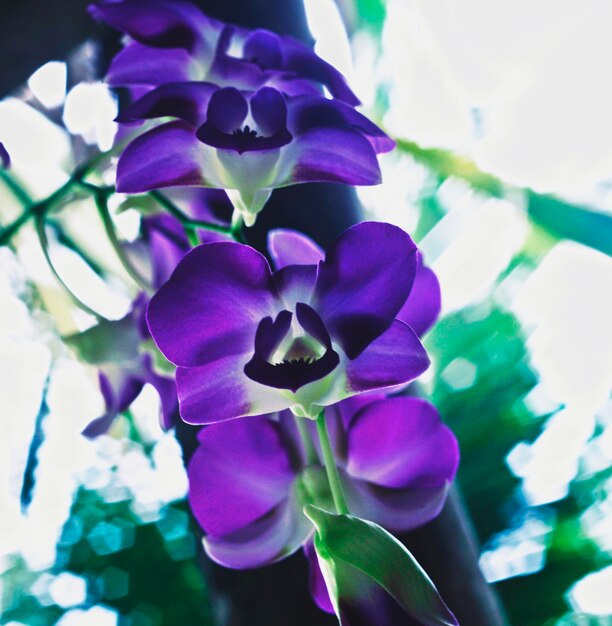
[110, 342]
[344, 542]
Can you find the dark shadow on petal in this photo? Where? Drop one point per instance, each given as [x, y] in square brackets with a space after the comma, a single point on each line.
[291, 374]
[263, 48]
[270, 334]
[311, 322]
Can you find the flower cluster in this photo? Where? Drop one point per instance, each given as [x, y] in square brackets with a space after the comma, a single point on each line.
[246, 123]
[250, 480]
[314, 351]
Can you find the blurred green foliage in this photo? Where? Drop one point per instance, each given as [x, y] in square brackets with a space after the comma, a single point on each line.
[147, 572]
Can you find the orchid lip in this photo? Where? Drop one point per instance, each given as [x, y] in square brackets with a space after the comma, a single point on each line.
[244, 139]
[228, 111]
[285, 361]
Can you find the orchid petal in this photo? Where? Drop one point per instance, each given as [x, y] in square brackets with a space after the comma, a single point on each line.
[318, 589]
[422, 308]
[263, 48]
[309, 112]
[295, 283]
[167, 24]
[269, 110]
[396, 357]
[272, 538]
[398, 510]
[340, 155]
[401, 442]
[302, 60]
[227, 109]
[364, 281]
[220, 391]
[138, 64]
[239, 473]
[290, 247]
[184, 100]
[229, 290]
[119, 387]
[165, 156]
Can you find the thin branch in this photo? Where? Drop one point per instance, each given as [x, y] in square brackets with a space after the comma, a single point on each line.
[100, 197]
[169, 206]
[44, 244]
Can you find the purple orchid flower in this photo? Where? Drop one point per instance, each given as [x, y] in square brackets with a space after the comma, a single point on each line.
[172, 40]
[5, 158]
[248, 341]
[122, 381]
[249, 479]
[420, 311]
[164, 242]
[250, 142]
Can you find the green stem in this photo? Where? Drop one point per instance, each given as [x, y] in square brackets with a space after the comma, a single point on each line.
[187, 221]
[312, 458]
[6, 234]
[100, 197]
[236, 227]
[44, 244]
[35, 209]
[330, 466]
[192, 235]
[22, 196]
[32, 209]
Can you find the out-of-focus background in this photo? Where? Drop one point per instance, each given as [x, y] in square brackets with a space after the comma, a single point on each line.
[503, 175]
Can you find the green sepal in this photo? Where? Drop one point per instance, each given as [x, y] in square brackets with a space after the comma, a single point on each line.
[144, 204]
[344, 542]
[109, 342]
[159, 362]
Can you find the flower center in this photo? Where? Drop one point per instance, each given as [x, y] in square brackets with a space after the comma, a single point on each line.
[245, 132]
[289, 359]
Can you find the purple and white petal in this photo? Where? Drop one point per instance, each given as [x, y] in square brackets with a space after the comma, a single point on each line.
[208, 205]
[166, 389]
[337, 155]
[316, 582]
[230, 70]
[290, 247]
[220, 391]
[308, 112]
[263, 48]
[295, 283]
[5, 157]
[398, 510]
[269, 110]
[422, 307]
[212, 304]
[364, 281]
[395, 358]
[238, 474]
[184, 100]
[401, 442]
[160, 23]
[271, 538]
[302, 60]
[166, 156]
[167, 243]
[138, 64]
[119, 387]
